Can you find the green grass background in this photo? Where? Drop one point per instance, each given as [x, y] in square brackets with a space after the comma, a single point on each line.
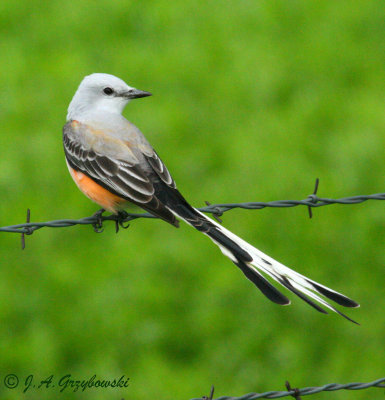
[252, 101]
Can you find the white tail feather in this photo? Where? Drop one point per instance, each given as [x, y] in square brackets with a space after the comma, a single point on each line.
[280, 273]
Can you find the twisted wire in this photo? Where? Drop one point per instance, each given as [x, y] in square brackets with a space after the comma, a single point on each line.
[331, 387]
[312, 201]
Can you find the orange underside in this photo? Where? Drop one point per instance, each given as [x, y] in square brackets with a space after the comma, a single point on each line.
[97, 193]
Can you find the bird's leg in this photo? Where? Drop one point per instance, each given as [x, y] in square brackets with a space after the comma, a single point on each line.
[120, 219]
[98, 225]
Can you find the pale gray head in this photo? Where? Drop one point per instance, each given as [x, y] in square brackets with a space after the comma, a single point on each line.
[102, 93]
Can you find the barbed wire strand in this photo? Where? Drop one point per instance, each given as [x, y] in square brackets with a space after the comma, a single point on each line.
[217, 210]
[331, 387]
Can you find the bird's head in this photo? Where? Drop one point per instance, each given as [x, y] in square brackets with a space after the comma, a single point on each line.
[102, 93]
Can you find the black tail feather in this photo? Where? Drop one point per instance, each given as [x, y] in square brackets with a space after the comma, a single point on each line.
[337, 297]
[263, 284]
[284, 281]
[179, 206]
[289, 286]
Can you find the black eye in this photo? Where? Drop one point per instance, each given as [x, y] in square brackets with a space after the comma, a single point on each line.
[108, 91]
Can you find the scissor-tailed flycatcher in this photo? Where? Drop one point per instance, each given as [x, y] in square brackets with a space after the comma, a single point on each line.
[113, 164]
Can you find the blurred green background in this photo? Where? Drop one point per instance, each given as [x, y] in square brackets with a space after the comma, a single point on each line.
[252, 101]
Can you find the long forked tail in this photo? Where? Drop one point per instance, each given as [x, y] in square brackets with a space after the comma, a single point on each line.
[253, 263]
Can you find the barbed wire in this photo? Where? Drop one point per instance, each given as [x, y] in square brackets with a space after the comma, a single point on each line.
[296, 393]
[217, 210]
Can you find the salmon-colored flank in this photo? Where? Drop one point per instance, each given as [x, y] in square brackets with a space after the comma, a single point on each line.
[97, 193]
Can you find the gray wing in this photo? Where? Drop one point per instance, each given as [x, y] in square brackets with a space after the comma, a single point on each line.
[127, 172]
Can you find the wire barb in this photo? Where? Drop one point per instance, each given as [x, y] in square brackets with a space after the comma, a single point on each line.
[27, 231]
[313, 198]
[295, 391]
[211, 394]
[216, 212]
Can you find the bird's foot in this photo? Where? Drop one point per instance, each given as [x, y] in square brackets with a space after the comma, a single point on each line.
[98, 224]
[120, 219]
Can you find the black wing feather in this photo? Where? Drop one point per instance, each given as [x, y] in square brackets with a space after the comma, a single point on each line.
[122, 178]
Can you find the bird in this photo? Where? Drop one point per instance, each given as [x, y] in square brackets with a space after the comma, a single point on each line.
[114, 165]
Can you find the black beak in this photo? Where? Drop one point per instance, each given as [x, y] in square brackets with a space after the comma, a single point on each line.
[136, 94]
